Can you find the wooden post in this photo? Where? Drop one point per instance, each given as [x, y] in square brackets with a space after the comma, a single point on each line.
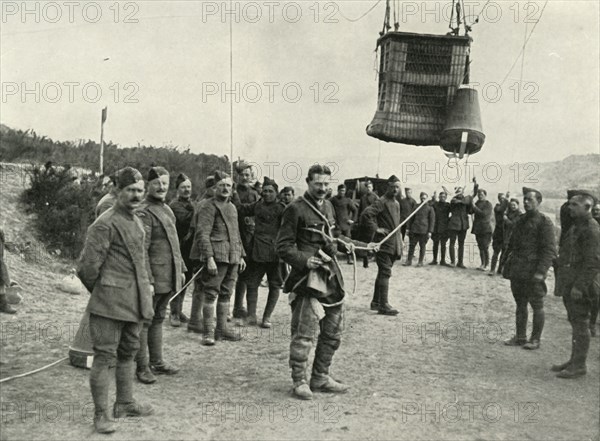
[102, 120]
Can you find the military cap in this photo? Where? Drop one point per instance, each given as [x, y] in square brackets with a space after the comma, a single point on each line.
[219, 176]
[181, 178]
[423, 194]
[127, 176]
[210, 182]
[538, 195]
[156, 172]
[585, 193]
[393, 179]
[341, 186]
[271, 182]
[241, 166]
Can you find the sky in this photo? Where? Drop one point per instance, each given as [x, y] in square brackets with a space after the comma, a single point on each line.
[304, 73]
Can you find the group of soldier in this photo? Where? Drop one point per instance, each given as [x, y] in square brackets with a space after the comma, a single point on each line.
[141, 253]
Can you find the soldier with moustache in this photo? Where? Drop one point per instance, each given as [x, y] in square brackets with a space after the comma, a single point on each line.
[315, 284]
[220, 250]
[263, 259]
[530, 253]
[578, 266]
[380, 219]
[167, 273]
[183, 209]
[247, 195]
[113, 268]
[195, 324]
[441, 209]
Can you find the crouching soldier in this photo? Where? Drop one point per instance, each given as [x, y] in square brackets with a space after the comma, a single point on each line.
[315, 284]
[113, 269]
[220, 249]
[578, 264]
[167, 273]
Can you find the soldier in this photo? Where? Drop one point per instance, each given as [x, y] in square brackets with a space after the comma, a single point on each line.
[167, 273]
[4, 280]
[482, 226]
[380, 219]
[109, 199]
[345, 213]
[263, 258]
[195, 324]
[366, 200]
[420, 228]
[596, 286]
[529, 256]
[508, 222]
[458, 225]
[440, 232]
[221, 251]
[315, 284]
[287, 195]
[183, 209]
[566, 221]
[407, 206]
[578, 265]
[113, 268]
[498, 235]
[247, 195]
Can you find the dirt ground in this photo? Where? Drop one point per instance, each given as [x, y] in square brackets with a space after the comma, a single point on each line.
[438, 371]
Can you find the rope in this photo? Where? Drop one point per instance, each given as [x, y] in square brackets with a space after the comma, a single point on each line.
[362, 16]
[524, 44]
[34, 371]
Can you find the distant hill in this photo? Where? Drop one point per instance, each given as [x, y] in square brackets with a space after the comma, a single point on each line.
[575, 171]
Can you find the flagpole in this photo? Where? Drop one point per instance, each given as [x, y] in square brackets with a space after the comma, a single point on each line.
[102, 120]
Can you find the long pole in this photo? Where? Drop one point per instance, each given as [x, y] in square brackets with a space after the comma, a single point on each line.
[231, 85]
[102, 120]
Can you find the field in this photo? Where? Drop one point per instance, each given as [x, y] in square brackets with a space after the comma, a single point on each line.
[438, 371]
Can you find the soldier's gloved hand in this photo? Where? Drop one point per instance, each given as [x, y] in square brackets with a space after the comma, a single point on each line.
[242, 266]
[576, 294]
[538, 277]
[211, 266]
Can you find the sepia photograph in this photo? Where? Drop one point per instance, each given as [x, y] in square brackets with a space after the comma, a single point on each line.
[300, 220]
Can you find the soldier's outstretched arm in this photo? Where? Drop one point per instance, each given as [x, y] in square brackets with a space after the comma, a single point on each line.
[94, 254]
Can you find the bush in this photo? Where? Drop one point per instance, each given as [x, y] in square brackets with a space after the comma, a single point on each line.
[64, 208]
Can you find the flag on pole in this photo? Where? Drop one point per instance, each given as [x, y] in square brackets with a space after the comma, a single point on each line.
[104, 114]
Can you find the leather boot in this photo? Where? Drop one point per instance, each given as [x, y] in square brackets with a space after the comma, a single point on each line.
[4, 306]
[124, 381]
[384, 307]
[252, 300]
[560, 367]
[270, 306]
[299, 352]
[223, 332]
[375, 302]
[99, 383]
[155, 342]
[461, 254]
[539, 318]
[143, 373]
[581, 346]
[195, 322]
[208, 313]
[452, 255]
[239, 311]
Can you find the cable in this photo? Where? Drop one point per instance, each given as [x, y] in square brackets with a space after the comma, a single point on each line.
[362, 16]
[524, 44]
[34, 371]
[231, 85]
